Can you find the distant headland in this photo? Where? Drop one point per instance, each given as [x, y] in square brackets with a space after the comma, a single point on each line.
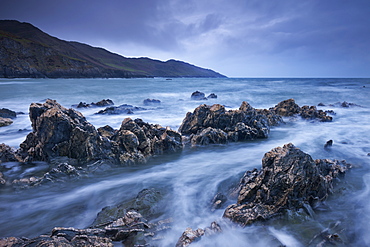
[28, 52]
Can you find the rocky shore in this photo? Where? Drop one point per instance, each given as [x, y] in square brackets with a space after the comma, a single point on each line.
[289, 180]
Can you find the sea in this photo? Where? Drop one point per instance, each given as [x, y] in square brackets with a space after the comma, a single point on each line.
[190, 179]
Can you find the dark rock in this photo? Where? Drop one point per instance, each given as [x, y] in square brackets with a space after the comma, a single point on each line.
[6, 113]
[122, 109]
[5, 121]
[151, 102]
[82, 105]
[289, 180]
[328, 144]
[106, 131]
[321, 104]
[344, 104]
[104, 102]
[198, 96]
[218, 201]
[58, 131]
[8, 154]
[2, 179]
[288, 108]
[212, 96]
[213, 124]
[189, 235]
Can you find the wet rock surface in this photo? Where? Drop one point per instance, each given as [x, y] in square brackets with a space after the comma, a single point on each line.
[5, 121]
[149, 102]
[122, 109]
[8, 154]
[288, 108]
[289, 180]
[214, 124]
[189, 235]
[6, 113]
[102, 103]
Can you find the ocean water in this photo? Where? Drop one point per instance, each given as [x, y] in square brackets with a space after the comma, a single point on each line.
[192, 178]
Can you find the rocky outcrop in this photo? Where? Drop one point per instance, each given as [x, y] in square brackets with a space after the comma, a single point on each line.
[149, 102]
[6, 113]
[122, 109]
[214, 124]
[198, 96]
[288, 108]
[8, 154]
[189, 235]
[102, 103]
[58, 131]
[5, 121]
[289, 180]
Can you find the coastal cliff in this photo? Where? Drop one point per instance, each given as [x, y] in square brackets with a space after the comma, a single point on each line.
[28, 52]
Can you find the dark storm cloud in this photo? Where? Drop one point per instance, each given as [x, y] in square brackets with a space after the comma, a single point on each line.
[236, 37]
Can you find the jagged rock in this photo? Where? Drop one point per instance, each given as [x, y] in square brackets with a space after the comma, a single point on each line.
[288, 108]
[198, 96]
[6, 113]
[106, 131]
[5, 121]
[213, 124]
[7, 154]
[102, 103]
[151, 102]
[58, 131]
[63, 237]
[328, 144]
[122, 109]
[212, 96]
[289, 179]
[147, 203]
[189, 235]
[218, 201]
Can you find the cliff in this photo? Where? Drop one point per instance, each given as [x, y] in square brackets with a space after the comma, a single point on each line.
[28, 52]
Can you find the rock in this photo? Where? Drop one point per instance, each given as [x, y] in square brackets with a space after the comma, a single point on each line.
[6, 113]
[151, 102]
[58, 131]
[213, 124]
[212, 96]
[5, 121]
[198, 96]
[2, 179]
[122, 109]
[8, 154]
[218, 201]
[289, 180]
[344, 104]
[106, 131]
[65, 237]
[189, 235]
[102, 103]
[288, 108]
[328, 144]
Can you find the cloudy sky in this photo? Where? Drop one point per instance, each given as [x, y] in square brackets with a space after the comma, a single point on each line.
[238, 38]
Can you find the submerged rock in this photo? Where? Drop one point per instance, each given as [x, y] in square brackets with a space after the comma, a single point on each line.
[214, 124]
[189, 235]
[5, 121]
[122, 109]
[198, 96]
[151, 102]
[6, 113]
[289, 180]
[102, 103]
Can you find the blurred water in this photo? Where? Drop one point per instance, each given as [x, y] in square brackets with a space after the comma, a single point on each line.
[192, 178]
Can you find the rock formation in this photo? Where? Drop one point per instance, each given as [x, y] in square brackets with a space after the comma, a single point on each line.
[5, 121]
[289, 180]
[149, 102]
[102, 103]
[122, 109]
[214, 124]
[60, 132]
[288, 108]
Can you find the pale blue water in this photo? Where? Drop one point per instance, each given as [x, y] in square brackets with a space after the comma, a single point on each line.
[194, 177]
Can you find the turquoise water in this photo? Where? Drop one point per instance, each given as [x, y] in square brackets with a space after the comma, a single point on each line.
[193, 177]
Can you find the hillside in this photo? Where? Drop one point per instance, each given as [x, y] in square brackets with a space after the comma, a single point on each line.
[28, 52]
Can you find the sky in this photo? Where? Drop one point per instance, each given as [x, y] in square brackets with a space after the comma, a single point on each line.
[237, 38]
